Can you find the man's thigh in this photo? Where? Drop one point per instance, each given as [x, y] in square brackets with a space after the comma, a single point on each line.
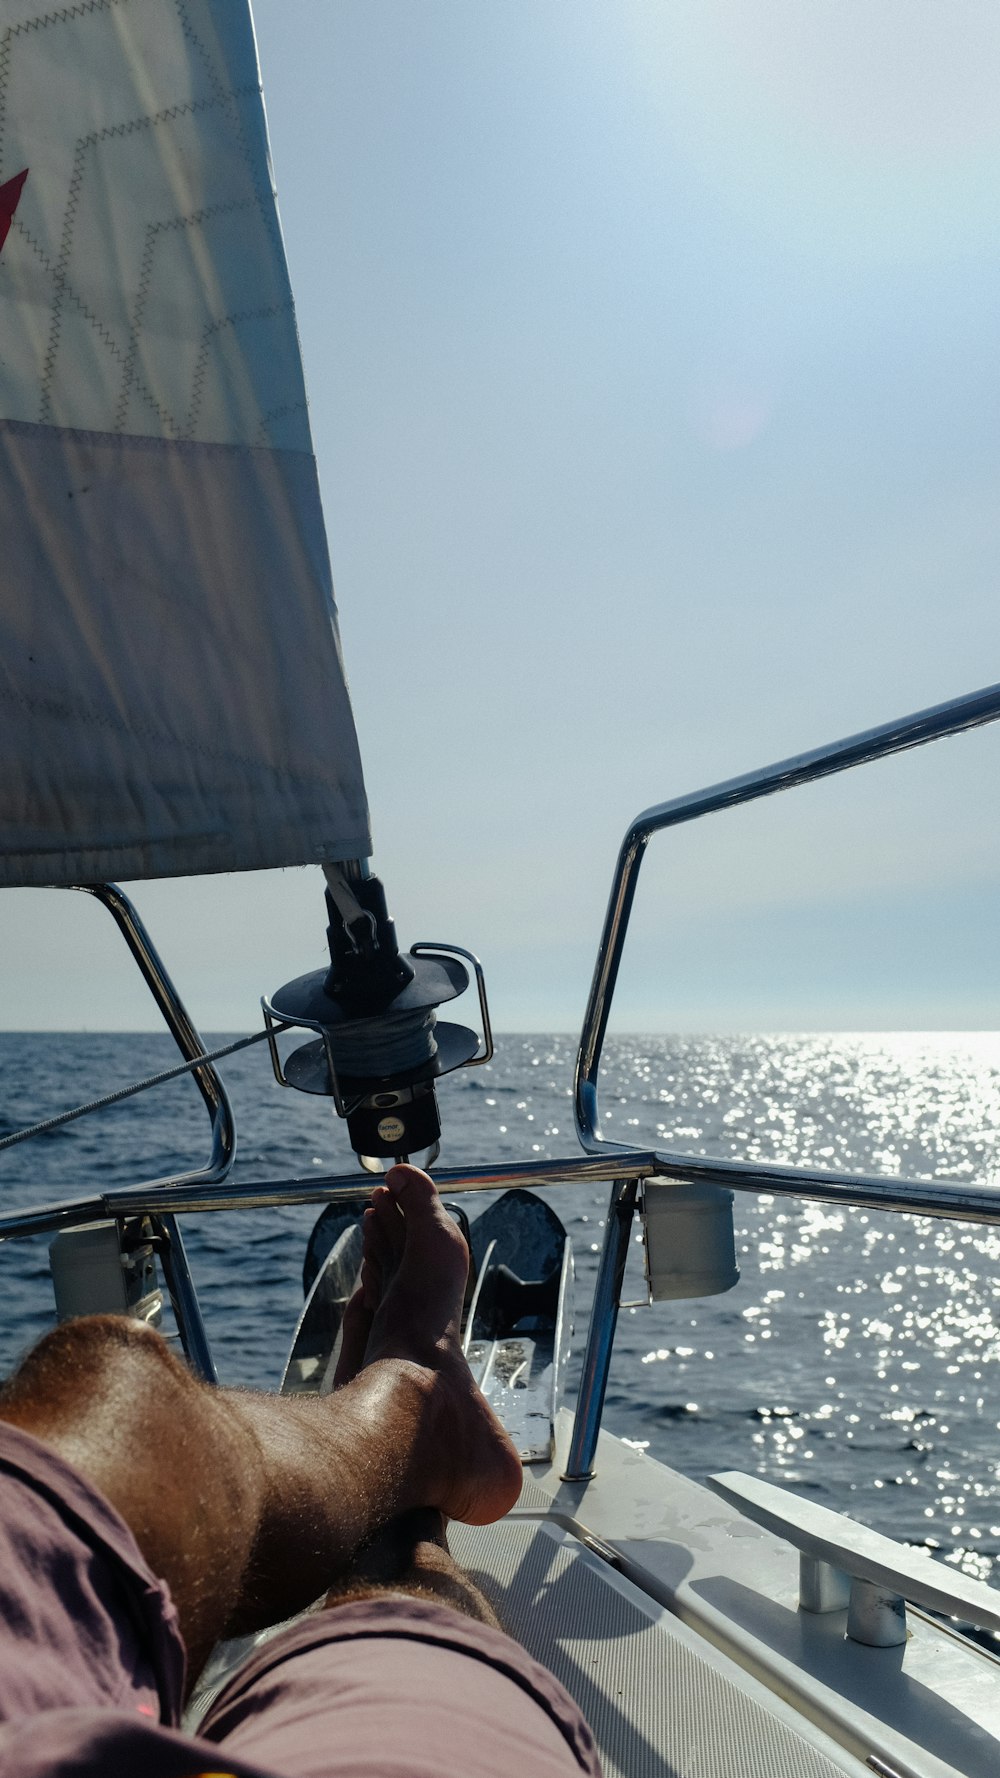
[399, 1687]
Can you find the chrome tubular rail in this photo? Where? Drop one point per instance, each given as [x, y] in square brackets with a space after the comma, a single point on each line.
[951, 1199]
[178, 1022]
[936, 1198]
[181, 1196]
[185, 1195]
[601, 1332]
[180, 1285]
[953, 718]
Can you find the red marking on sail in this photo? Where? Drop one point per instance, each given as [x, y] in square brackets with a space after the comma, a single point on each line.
[10, 197]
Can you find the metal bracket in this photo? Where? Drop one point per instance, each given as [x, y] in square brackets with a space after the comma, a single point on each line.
[427, 949]
[273, 1024]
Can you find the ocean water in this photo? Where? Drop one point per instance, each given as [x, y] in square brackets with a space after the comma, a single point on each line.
[858, 1359]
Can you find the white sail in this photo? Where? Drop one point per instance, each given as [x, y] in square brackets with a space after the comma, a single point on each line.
[172, 695]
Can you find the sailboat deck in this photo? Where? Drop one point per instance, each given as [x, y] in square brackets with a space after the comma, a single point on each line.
[697, 1567]
[661, 1703]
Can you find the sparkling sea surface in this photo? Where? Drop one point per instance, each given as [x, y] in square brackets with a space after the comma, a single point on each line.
[858, 1359]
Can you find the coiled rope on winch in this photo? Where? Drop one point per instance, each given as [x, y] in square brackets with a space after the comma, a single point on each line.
[377, 1048]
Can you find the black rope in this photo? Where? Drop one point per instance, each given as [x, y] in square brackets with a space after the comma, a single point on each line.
[139, 1086]
[380, 1047]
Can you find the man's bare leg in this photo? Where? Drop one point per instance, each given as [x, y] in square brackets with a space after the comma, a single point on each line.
[411, 1554]
[249, 1505]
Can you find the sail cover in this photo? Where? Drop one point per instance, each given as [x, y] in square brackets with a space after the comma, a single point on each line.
[172, 694]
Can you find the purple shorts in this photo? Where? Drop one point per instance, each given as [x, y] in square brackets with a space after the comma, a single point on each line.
[92, 1668]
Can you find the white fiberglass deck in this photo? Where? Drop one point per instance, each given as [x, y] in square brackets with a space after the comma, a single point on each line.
[710, 1634]
[661, 1702]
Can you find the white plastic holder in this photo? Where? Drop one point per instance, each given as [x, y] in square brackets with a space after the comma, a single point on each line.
[690, 1247]
[91, 1275]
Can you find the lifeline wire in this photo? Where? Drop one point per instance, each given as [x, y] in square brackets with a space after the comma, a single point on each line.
[139, 1086]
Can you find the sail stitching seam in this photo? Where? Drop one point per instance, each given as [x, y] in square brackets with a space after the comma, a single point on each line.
[64, 288]
[264, 194]
[62, 16]
[72, 295]
[210, 332]
[66, 294]
[148, 441]
[6, 47]
[65, 14]
[66, 707]
[154, 230]
[264, 199]
[278, 413]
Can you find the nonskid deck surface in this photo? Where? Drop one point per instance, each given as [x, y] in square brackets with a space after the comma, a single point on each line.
[661, 1703]
[929, 1709]
[677, 1663]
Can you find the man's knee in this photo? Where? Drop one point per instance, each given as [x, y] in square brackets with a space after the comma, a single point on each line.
[92, 1354]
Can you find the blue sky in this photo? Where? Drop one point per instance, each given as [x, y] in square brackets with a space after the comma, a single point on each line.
[652, 357]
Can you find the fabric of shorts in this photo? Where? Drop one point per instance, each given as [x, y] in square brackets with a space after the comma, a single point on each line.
[92, 1668]
[83, 1619]
[399, 1687]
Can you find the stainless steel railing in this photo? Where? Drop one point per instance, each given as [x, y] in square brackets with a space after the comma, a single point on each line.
[207, 1189]
[803, 768]
[953, 718]
[162, 1221]
[939, 1198]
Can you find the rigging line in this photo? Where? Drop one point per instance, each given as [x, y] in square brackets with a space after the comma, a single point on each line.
[139, 1086]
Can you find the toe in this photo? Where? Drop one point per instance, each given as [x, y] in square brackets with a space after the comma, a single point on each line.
[413, 1190]
[371, 1282]
[372, 1238]
[424, 1214]
[389, 1222]
[356, 1328]
[416, 1195]
[375, 1234]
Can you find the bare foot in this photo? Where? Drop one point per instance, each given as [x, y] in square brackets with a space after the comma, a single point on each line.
[355, 1328]
[360, 1311]
[416, 1265]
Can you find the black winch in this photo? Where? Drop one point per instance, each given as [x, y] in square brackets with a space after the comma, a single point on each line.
[380, 1047]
